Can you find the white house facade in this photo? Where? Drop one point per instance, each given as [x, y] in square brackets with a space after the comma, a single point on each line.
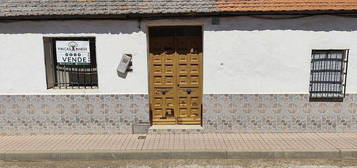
[247, 73]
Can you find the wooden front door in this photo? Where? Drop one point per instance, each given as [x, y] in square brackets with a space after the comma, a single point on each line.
[175, 77]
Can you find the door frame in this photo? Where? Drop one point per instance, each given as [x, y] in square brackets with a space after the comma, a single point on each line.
[149, 62]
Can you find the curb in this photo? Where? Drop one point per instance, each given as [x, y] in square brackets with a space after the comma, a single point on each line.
[176, 154]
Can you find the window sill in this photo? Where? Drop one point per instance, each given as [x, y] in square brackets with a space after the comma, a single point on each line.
[326, 99]
[74, 88]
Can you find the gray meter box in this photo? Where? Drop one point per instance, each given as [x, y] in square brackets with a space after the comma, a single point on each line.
[124, 65]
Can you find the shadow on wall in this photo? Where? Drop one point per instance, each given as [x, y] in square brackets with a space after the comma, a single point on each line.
[71, 27]
[305, 23]
[243, 23]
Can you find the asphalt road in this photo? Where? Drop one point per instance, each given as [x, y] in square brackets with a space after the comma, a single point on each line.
[203, 163]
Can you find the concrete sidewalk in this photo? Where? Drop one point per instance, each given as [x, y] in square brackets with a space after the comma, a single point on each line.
[179, 146]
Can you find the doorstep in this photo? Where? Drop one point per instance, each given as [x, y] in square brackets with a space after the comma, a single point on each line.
[176, 129]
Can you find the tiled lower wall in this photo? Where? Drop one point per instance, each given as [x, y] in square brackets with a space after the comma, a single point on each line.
[278, 113]
[103, 114]
[68, 114]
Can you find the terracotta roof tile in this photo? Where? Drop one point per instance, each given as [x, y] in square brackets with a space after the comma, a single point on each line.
[285, 5]
[49, 8]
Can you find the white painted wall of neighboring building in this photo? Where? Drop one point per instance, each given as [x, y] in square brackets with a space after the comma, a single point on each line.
[242, 55]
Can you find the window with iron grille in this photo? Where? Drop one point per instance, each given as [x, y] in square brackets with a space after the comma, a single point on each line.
[70, 62]
[328, 75]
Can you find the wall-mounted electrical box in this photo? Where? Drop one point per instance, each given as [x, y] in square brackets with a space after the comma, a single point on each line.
[125, 65]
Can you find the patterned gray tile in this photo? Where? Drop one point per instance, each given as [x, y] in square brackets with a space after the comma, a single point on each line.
[108, 114]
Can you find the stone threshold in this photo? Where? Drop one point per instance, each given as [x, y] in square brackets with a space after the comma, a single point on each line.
[175, 127]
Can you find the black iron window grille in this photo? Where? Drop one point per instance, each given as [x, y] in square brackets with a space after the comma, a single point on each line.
[328, 75]
[78, 73]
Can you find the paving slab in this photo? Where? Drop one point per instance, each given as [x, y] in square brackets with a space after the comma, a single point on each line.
[179, 146]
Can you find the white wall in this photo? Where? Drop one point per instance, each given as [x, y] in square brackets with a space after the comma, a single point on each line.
[241, 55]
[22, 68]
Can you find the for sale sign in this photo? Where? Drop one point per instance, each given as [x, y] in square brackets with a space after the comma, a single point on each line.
[73, 52]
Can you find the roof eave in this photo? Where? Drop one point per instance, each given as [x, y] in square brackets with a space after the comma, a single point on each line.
[176, 15]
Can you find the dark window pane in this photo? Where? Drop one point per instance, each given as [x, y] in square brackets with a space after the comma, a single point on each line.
[328, 75]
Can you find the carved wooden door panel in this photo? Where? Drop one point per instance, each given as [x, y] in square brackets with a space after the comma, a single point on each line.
[189, 84]
[163, 80]
[175, 75]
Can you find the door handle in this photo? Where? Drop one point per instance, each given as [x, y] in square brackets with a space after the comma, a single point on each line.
[188, 91]
[164, 92]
